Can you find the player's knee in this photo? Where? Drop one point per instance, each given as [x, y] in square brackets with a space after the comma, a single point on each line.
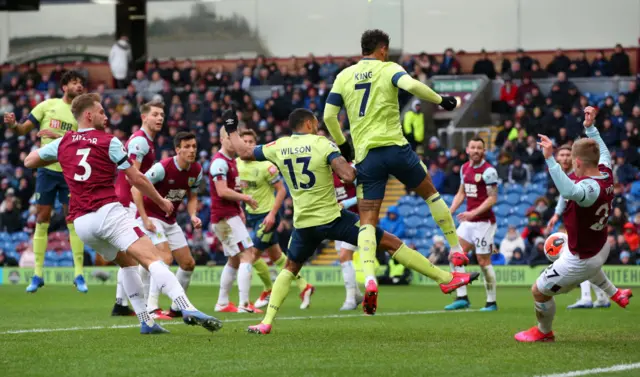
[390, 243]
[293, 266]
[484, 260]
[234, 262]
[167, 259]
[345, 255]
[426, 189]
[43, 214]
[189, 264]
[247, 257]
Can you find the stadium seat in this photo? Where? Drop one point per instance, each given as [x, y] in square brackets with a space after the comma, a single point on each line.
[520, 209]
[512, 199]
[501, 232]
[514, 220]
[447, 199]
[515, 189]
[405, 210]
[502, 210]
[498, 259]
[411, 232]
[424, 251]
[4, 236]
[528, 199]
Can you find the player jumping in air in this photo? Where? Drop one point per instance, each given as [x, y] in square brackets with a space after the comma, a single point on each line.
[174, 178]
[54, 119]
[142, 152]
[563, 156]
[369, 92]
[229, 228]
[258, 179]
[346, 196]
[589, 197]
[479, 184]
[90, 159]
[306, 161]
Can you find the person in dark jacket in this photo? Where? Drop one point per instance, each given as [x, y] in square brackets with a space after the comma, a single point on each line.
[518, 258]
[560, 63]
[600, 65]
[393, 222]
[484, 66]
[519, 173]
[537, 257]
[452, 181]
[620, 65]
[525, 60]
[583, 68]
[609, 134]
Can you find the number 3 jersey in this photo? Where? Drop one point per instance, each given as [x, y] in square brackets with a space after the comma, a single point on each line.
[475, 180]
[305, 163]
[587, 226]
[90, 160]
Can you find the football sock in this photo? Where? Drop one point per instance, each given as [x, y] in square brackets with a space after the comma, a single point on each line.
[600, 295]
[301, 283]
[121, 294]
[244, 283]
[462, 291]
[262, 270]
[163, 277]
[40, 246]
[226, 281]
[154, 294]
[278, 294]
[77, 248]
[367, 245]
[184, 278]
[281, 262]
[417, 262]
[144, 276]
[545, 311]
[585, 291]
[489, 282]
[602, 281]
[349, 277]
[133, 287]
[442, 217]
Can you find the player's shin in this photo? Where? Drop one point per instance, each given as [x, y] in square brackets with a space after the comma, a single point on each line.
[169, 284]
[40, 246]
[281, 262]
[545, 312]
[489, 282]
[367, 247]
[349, 277]
[262, 270]
[146, 280]
[601, 296]
[226, 282]
[77, 248]
[278, 294]
[244, 283]
[133, 287]
[442, 217]
[602, 281]
[417, 262]
[585, 291]
[121, 295]
[154, 295]
[461, 292]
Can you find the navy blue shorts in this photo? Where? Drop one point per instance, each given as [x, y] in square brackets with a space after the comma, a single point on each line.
[262, 240]
[401, 162]
[50, 184]
[305, 241]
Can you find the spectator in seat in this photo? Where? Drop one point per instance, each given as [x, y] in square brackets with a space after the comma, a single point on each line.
[631, 237]
[452, 181]
[537, 99]
[560, 63]
[504, 164]
[525, 88]
[433, 149]
[157, 84]
[140, 82]
[511, 242]
[9, 74]
[329, 69]
[519, 173]
[633, 94]
[582, 66]
[630, 153]
[554, 122]
[518, 258]
[247, 80]
[10, 219]
[439, 252]
[625, 172]
[563, 136]
[600, 65]
[393, 222]
[620, 65]
[610, 135]
[313, 69]
[537, 257]
[524, 60]
[617, 117]
[119, 59]
[533, 156]
[508, 93]
[573, 122]
[516, 71]
[619, 201]
[626, 106]
[450, 64]
[537, 72]
[484, 66]
[437, 175]
[413, 125]
[503, 134]
[7, 261]
[617, 220]
[631, 133]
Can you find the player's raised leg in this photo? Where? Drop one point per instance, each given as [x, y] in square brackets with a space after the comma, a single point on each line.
[619, 296]
[353, 295]
[462, 299]
[164, 253]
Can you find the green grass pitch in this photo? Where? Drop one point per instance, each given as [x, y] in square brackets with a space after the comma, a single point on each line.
[409, 336]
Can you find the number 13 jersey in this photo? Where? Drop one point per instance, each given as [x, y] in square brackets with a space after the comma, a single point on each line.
[305, 162]
[587, 226]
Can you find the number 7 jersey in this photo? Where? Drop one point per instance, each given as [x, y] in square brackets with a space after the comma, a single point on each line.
[305, 163]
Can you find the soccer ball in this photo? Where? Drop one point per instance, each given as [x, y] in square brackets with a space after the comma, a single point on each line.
[556, 244]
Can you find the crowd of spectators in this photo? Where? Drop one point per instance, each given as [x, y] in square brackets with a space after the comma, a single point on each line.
[195, 99]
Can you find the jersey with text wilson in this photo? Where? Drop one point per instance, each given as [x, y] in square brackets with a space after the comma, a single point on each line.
[172, 183]
[140, 148]
[587, 226]
[475, 179]
[223, 168]
[89, 159]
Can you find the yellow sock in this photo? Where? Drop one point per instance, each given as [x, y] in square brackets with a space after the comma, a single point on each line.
[278, 294]
[281, 262]
[442, 217]
[301, 283]
[77, 248]
[367, 247]
[262, 269]
[40, 246]
[413, 260]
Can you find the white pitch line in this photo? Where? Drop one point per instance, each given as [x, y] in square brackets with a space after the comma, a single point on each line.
[253, 319]
[614, 368]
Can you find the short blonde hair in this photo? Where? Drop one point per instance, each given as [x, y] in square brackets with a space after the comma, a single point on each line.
[249, 132]
[145, 108]
[83, 102]
[587, 150]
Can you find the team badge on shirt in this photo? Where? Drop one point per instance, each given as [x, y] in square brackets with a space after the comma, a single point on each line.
[192, 181]
[478, 177]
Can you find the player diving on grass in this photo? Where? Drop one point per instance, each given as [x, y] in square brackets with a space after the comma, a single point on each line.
[589, 199]
[479, 184]
[563, 156]
[54, 119]
[174, 178]
[90, 159]
[306, 161]
[368, 91]
[258, 179]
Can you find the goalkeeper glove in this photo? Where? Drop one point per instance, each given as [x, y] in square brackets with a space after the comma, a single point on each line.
[449, 103]
[346, 149]
[230, 121]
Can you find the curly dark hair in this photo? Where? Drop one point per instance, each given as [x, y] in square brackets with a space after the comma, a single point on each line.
[69, 76]
[372, 39]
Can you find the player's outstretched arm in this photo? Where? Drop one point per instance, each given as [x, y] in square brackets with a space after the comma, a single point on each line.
[425, 93]
[44, 156]
[244, 151]
[20, 128]
[592, 132]
[146, 188]
[345, 171]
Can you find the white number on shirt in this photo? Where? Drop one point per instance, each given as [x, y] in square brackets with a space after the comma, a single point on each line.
[84, 152]
[471, 190]
[602, 222]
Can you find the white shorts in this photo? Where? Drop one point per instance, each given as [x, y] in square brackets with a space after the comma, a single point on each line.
[479, 234]
[132, 210]
[108, 230]
[171, 233]
[569, 271]
[232, 233]
[344, 245]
